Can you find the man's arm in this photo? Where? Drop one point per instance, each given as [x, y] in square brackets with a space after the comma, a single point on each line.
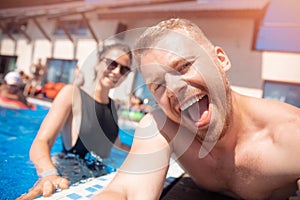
[143, 173]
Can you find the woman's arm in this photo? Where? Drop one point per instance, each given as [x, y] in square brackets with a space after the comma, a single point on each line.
[40, 150]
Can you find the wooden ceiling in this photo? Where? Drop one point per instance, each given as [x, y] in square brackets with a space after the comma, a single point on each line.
[18, 11]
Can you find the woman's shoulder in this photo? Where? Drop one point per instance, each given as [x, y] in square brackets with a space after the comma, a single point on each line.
[67, 94]
[69, 89]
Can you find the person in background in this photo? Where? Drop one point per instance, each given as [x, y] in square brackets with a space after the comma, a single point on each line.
[25, 79]
[135, 103]
[78, 77]
[38, 71]
[11, 93]
[87, 121]
[236, 145]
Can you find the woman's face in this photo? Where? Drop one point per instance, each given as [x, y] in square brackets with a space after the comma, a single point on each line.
[116, 67]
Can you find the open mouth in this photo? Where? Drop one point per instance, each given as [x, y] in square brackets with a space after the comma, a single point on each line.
[197, 110]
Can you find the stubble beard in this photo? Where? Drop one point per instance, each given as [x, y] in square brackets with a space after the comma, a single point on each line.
[220, 129]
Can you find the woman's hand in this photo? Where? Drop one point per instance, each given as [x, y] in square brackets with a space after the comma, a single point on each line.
[46, 186]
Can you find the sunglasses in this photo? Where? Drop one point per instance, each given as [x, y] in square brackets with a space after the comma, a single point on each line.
[111, 65]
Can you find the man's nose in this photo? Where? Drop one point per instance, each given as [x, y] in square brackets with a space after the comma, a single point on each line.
[174, 84]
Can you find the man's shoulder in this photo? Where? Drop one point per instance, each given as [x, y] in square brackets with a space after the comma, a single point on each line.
[274, 108]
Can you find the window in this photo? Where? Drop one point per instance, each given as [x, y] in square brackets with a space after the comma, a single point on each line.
[60, 70]
[285, 92]
[7, 64]
[75, 27]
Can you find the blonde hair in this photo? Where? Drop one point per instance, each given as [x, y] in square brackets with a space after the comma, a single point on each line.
[153, 34]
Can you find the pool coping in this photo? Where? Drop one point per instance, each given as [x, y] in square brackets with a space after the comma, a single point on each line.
[39, 102]
[88, 188]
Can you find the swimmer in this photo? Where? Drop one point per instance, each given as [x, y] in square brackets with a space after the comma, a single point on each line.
[11, 94]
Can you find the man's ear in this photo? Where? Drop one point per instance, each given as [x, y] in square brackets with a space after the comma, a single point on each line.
[223, 58]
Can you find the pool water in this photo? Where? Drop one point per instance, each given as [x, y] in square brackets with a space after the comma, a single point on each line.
[18, 129]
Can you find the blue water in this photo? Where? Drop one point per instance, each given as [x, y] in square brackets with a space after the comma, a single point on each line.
[18, 129]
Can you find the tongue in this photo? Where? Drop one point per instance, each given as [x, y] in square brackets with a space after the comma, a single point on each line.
[197, 110]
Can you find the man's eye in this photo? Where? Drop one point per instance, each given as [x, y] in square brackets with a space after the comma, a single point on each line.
[156, 86]
[185, 66]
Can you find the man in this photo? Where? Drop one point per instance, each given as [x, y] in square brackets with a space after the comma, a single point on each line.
[11, 93]
[243, 147]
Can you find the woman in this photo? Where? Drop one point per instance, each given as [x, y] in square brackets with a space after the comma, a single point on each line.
[88, 123]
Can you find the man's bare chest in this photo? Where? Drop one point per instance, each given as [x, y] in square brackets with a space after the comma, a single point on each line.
[247, 174]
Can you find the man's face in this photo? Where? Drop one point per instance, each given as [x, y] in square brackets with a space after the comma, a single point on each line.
[187, 84]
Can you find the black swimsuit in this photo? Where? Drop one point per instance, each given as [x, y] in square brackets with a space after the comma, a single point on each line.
[98, 130]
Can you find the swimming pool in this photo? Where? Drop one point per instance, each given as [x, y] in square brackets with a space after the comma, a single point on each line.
[18, 129]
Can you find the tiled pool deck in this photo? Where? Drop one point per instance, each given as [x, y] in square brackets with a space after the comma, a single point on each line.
[89, 188]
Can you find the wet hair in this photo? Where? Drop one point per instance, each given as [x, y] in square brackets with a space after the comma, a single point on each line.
[153, 34]
[108, 45]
